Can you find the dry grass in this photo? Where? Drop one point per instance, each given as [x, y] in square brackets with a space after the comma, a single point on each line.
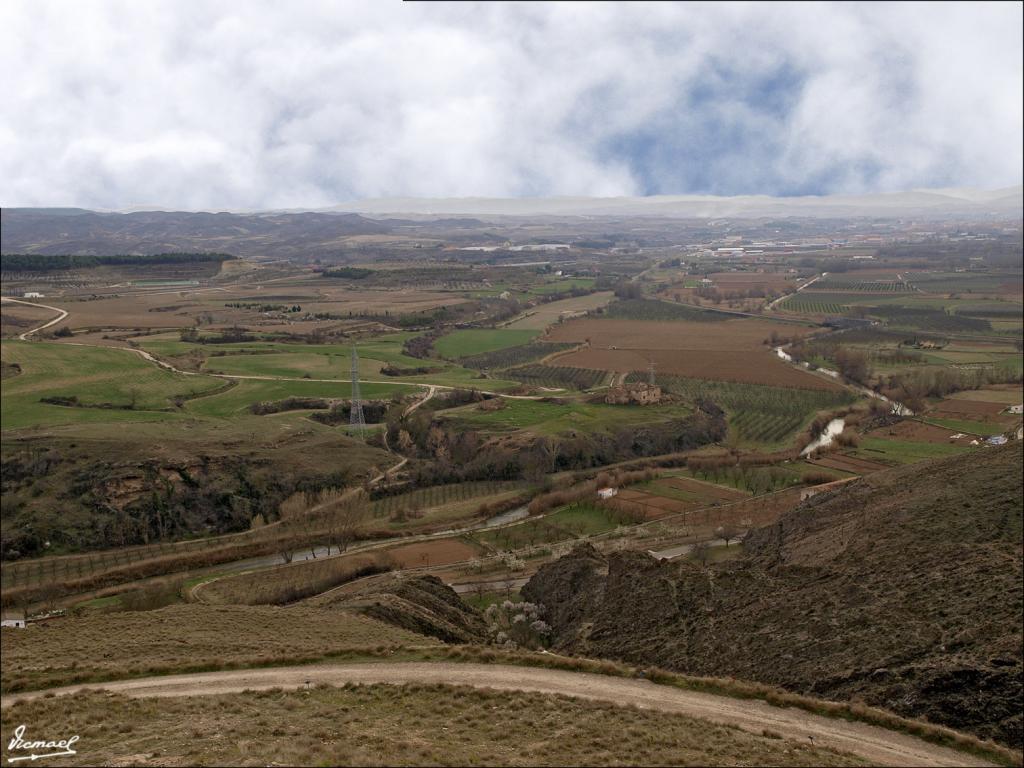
[186, 638]
[395, 725]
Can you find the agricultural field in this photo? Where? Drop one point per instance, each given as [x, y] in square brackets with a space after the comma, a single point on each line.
[672, 494]
[379, 357]
[759, 366]
[892, 452]
[184, 307]
[540, 317]
[863, 282]
[814, 303]
[477, 341]
[736, 349]
[99, 385]
[767, 281]
[917, 430]
[513, 356]
[570, 522]
[557, 377]
[757, 413]
[235, 400]
[731, 334]
[648, 309]
[554, 416]
[443, 503]
[560, 285]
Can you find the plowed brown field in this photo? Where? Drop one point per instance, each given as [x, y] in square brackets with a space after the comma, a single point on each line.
[740, 335]
[849, 464]
[431, 553]
[730, 350]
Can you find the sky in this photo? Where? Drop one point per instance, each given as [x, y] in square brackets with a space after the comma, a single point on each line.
[260, 104]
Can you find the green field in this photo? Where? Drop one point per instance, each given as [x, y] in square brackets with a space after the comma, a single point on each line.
[970, 427]
[569, 522]
[476, 341]
[557, 286]
[237, 399]
[904, 451]
[323, 361]
[95, 376]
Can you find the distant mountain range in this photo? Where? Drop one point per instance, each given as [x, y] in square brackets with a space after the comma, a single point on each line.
[284, 234]
[935, 202]
[79, 231]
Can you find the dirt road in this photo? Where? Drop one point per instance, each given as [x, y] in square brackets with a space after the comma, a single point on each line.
[61, 314]
[877, 745]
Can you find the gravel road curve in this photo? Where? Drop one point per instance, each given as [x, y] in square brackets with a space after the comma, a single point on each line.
[877, 745]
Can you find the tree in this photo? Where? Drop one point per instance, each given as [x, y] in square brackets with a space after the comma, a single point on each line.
[344, 522]
[728, 532]
[700, 552]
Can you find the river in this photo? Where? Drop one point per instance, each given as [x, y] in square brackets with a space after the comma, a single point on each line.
[896, 407]
[826, 438]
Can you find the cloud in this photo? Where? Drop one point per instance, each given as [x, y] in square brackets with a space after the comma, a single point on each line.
[262, 104]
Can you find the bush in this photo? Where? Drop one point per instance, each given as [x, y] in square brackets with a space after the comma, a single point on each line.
[517, 625]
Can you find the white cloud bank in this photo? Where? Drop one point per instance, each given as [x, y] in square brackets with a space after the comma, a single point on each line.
[265, 104]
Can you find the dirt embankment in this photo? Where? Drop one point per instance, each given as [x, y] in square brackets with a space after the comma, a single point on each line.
[421, 604]
[904, 590]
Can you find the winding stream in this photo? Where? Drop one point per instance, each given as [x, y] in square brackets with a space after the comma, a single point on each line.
[835, 427]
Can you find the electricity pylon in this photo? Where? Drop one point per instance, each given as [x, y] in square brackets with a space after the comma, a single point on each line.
[356, 420]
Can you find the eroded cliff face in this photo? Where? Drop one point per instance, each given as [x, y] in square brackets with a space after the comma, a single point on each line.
[904, 590]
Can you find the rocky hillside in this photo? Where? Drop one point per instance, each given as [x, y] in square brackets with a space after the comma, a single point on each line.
[903, 589]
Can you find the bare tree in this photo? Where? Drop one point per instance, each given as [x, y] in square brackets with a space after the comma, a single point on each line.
[344, 521]
[728, 532]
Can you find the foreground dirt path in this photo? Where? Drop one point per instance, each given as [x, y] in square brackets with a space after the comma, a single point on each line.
[877, 745]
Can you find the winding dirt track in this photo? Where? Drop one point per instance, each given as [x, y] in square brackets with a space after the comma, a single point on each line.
[877, 745]
[61, 314]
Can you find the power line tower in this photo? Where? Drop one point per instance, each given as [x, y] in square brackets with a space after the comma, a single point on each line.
[356, 420]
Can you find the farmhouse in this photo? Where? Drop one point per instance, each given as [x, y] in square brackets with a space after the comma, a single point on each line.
[32, 295]
[639, 393]
[13, 619]
[607, 493]
[1018, 409]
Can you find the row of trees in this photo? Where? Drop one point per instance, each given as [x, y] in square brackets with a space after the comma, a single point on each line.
[37, 262]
